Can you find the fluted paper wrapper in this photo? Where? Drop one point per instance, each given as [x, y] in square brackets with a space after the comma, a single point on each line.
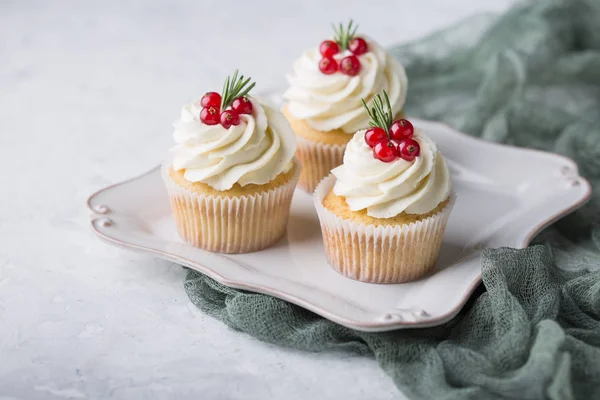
[317, 159]
[380, 254]
[231, 224]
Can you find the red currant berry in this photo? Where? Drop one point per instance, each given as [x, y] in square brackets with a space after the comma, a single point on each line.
[329, 48]
[401, 129]
[408, 149]
[242, 105]
[211, 99]
[209, 115]
[358, 46]
[374, 136]
[385, 151]
[228, 118]
[327, 65]
[350, 65]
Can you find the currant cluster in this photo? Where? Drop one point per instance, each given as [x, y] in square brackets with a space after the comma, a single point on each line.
[344, 39]
[398, 142]
[390, 140]
[227, 109]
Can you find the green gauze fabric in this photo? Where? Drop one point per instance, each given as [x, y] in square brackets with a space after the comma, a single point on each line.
[529, 78]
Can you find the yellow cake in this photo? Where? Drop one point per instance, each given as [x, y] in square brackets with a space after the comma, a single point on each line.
[232, 173]
[324, 108]
[338, 206]
[318, 152]
[384, 210]
[236, 190]
[304, 130]
[403, 257]
[238, 220]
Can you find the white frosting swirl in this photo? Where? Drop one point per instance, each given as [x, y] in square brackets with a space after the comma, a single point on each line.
[329, 102]
[388, 189]
[261, 147]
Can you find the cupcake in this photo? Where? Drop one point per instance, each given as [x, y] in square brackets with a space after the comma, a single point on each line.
[384, 210]
[232, 172]
[323, 101]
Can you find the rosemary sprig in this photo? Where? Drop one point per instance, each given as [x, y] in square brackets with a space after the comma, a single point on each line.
[343, 35]
[235, 87]
[381, 114]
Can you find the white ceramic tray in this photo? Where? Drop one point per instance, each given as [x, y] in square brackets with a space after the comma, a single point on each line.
[505, 196]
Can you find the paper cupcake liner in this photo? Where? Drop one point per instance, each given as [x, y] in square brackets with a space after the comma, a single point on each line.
[231, 224]
[317, 160]
[380, 254]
